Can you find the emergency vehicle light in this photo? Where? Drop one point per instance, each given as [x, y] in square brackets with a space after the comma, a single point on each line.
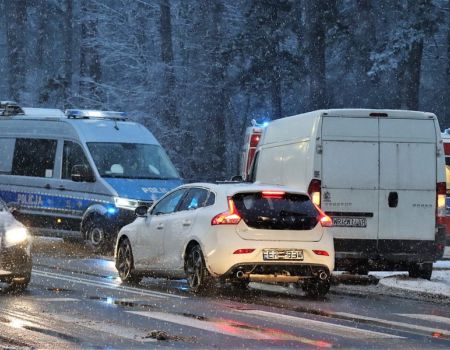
[90, 113]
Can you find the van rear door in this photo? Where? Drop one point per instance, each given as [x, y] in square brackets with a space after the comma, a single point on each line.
[350, 181]
[407, 193]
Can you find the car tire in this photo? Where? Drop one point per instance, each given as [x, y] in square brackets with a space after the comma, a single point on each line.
[424, 270]
[198, 276]
[316, 288]
[125, 263]
[97, 236]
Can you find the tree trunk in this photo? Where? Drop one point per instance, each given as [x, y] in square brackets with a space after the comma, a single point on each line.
[315, 52]
[168, 98]
[15, 38]
[90, 68]
[411, 77]
[68, 50]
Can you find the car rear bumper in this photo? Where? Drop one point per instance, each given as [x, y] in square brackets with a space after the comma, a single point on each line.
[223, 261]
[276, 272]
[15, 262]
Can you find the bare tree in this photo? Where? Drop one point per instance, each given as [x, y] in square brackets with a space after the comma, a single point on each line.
[16, 47]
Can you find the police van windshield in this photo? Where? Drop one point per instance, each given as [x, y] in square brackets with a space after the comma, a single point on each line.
[132, 161]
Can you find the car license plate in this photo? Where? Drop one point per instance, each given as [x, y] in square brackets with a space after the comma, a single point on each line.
[283, 254]
[349, 222]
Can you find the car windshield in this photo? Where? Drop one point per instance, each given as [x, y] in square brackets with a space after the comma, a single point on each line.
[287, 212]
[131, 160]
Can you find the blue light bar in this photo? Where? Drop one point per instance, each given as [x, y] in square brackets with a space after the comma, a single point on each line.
[91, 113]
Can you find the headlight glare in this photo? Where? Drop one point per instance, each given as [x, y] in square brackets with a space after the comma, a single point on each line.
[16, 235]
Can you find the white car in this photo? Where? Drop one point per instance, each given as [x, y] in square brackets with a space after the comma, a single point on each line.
[15, 251]
[229, 232]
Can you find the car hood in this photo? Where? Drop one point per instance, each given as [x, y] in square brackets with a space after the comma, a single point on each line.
[142, 189]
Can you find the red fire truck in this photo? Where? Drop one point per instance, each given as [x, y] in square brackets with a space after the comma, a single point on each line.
[252, 136]
[446, 140]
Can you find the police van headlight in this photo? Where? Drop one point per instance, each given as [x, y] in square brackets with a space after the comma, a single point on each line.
[15, 236]
[126, 203]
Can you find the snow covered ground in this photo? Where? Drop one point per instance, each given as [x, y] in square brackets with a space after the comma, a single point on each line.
[400, 284]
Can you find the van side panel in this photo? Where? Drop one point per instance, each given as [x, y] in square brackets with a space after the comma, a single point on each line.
[270, 158]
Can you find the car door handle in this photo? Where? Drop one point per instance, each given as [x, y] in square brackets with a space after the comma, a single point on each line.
[186, 223]
[160, 227]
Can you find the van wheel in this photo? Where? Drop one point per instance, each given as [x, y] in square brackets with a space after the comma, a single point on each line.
[198, 277]
[97, 237]
[424, 270]
[316, 288]
[125, 263]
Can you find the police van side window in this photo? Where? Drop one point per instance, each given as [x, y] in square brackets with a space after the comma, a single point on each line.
[73, 154]
[7, 152]
[34, 157]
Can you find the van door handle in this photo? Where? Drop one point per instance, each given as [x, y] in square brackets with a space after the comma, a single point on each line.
[62, 188]
[393, 199]
[47, 186]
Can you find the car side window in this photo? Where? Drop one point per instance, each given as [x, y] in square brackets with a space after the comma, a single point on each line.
[34, 157]
[196, 198]
[169, 204]
[211, 199]
[73, 154]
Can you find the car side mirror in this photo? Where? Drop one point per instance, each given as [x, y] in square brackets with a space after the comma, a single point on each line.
[141, 211]
[81, 173]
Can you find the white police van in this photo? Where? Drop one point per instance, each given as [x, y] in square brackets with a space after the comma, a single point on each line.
[79, 174]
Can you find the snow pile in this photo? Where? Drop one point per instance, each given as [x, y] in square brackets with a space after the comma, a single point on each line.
[439, 285]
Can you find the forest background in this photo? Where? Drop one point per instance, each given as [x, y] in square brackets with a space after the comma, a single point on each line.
[196, 72]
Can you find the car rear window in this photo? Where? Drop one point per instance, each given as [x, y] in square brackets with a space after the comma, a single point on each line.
[285, 212]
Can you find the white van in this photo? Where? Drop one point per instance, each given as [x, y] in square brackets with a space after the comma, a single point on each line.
[81, 173]
[378, 173]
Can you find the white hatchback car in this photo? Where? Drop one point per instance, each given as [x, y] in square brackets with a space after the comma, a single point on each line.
[229, 232]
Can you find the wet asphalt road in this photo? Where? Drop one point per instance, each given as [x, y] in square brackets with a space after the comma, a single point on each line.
[75, 301]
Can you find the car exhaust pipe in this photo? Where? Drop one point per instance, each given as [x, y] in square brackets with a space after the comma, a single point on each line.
[240, 274]
[323, 275]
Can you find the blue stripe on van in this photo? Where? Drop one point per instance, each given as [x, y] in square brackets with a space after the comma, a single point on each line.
[49, 202]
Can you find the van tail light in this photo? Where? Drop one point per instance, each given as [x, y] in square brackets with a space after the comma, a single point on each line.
[230, 217]
[441, 191]
[314, 189]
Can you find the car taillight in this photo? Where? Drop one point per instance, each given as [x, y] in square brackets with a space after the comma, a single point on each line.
[230, 217]
[272, 194]
[244, 251]
[323, 218]
[321, 252]
[314, 189]
[441, 191]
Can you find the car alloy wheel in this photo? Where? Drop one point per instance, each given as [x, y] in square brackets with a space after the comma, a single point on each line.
[198, 276]
[125, 263]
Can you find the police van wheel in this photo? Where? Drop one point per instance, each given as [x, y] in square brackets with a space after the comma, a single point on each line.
[97, 237]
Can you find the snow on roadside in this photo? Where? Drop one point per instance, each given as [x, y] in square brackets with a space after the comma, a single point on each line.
[439, 284]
